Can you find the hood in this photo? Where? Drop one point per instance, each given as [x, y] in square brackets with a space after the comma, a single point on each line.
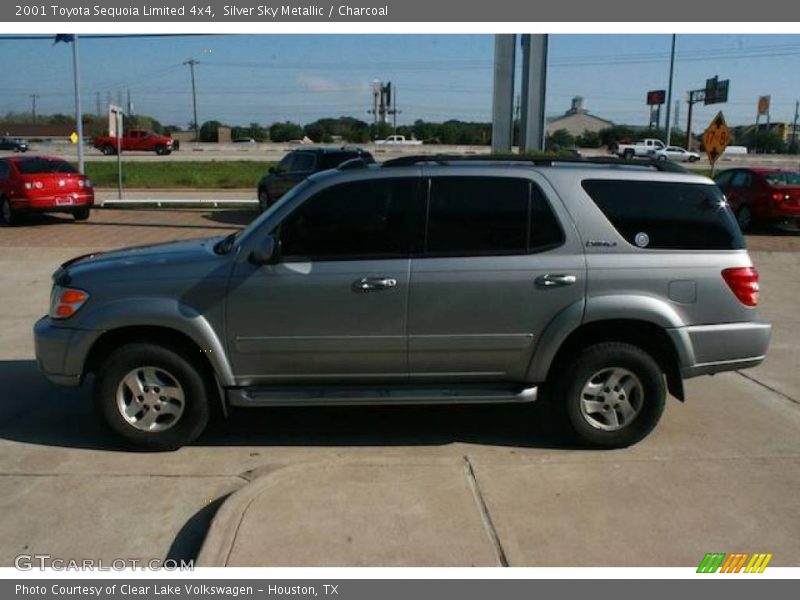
[177, 259]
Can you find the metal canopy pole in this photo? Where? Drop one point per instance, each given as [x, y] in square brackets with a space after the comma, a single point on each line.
[503, 98]
[534, 84]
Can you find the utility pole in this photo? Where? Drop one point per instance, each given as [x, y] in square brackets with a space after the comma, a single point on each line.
[33, 107]
[99, 106]
[191, 63]
[669, 91]
[794, 126]
[130, 103]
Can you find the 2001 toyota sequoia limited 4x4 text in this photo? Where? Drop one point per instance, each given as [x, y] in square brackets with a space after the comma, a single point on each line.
[422, 280]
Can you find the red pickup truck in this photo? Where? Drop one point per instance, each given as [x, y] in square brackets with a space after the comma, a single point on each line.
[136, 139]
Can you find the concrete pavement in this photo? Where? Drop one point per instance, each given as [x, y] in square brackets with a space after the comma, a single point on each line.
[391, 486]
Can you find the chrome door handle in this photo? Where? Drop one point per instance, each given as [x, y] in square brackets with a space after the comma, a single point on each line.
[555, 280]
[371, 284]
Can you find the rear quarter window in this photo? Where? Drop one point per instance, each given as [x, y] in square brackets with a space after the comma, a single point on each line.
[666, 215]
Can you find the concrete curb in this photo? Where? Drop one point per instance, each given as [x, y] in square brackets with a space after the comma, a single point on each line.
[221, 536]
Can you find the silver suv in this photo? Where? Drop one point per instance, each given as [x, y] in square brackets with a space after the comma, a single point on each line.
[422, 280]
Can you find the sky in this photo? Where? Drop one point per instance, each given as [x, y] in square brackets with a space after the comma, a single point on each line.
[267, 78]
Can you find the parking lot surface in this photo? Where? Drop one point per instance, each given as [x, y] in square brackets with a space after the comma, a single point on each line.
[392, 486]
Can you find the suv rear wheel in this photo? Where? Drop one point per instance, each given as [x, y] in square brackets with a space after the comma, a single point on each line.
[613, 394]
[152, 396]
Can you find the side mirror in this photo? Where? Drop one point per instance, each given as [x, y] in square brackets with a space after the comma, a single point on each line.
[266, 251]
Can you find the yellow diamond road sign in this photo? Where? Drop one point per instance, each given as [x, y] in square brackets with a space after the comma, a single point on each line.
[73, 138]
[716, 138]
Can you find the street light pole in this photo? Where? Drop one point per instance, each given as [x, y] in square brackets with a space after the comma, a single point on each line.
[669, 91]
[76, 73]
[191, 63]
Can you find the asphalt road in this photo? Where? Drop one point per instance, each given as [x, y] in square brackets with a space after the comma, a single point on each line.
[395, 486]
[276, 151]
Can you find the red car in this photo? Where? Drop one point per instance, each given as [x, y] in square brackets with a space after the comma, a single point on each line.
[42, 184]
[762, 195]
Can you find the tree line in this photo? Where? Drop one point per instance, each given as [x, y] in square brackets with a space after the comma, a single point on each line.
[452, 132]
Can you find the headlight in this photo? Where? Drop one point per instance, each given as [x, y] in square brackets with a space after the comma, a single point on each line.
[65, 302]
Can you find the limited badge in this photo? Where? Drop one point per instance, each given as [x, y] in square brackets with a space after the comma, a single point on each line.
[642, 239]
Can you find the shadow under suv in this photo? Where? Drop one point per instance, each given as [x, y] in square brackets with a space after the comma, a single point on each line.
[422, 280]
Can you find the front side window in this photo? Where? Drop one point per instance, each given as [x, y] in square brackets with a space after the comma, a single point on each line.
[724, 178]
[357, 220]
[741, 179]
[488, 216]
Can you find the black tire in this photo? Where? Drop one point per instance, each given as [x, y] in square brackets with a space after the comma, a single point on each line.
[628, 154]
[594, 360]
[662, 158]
[264, 201]
[162, 150]
[693, 159]
[744, 216]
[109, 150]
[81, 214]
[8, 217]
[188, 375]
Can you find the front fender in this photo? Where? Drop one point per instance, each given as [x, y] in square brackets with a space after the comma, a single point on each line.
[169, 314]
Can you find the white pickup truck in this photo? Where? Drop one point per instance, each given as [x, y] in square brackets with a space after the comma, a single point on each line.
[397, 140]
[646, 147]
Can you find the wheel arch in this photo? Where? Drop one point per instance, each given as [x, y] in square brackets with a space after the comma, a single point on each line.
[167, 337]
[647, 335]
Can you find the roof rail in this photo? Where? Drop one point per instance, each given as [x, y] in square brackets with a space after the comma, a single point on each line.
[544, 161]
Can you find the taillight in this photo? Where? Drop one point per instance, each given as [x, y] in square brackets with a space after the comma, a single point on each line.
[743, 282]
[65, 302]
[779, 196]
[34, 185]
[84, 183]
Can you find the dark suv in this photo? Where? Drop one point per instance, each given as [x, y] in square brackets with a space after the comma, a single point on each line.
[299, 164]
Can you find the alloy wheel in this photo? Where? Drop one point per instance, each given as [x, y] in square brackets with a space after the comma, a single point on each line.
[150, 399]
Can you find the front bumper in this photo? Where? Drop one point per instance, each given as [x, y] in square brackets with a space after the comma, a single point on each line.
[61, 352]
[708, 349]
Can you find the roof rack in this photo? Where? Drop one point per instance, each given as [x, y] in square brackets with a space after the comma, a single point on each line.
[545, 161]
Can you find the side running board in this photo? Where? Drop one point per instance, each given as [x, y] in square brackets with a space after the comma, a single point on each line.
[338, 395]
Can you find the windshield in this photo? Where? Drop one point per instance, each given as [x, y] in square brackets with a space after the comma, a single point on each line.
[783, 178]
[31, 166]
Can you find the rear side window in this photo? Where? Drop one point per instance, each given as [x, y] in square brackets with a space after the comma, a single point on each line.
[678, 216]
[32, 166]
[303, 162]
[488, 216]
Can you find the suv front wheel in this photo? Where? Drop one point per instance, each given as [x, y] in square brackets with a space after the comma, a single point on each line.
[152, 396]
[613, 394]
